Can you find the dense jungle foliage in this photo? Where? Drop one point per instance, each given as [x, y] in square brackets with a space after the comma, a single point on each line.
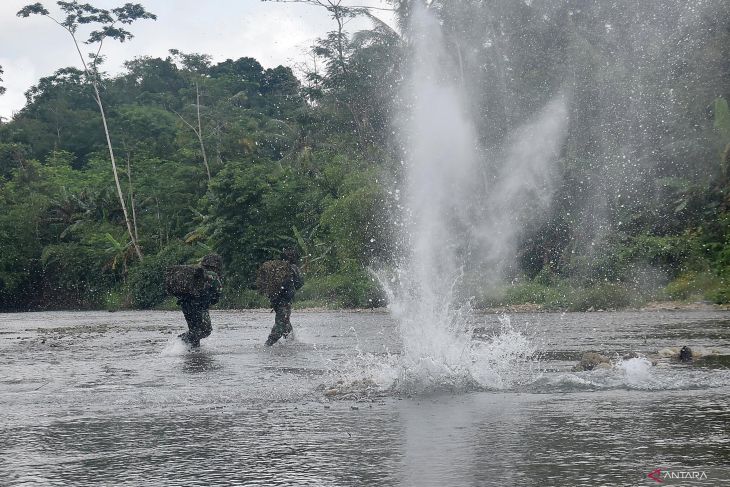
[242, 160]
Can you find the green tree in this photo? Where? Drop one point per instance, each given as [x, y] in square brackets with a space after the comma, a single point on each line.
[254, 208]
[199, 63]
[361, 72]
[59, 115]
[108, 22]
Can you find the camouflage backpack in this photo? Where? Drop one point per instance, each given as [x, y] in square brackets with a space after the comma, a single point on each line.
[184, 281]
[272, 276]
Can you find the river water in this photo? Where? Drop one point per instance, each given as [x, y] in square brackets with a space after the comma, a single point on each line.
[98, 398]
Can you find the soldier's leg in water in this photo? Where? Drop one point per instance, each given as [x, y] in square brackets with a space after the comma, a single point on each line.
[189, 314]
[194, 316]
[205, 325]
[279, 325]
[287, 320]
[202, 327]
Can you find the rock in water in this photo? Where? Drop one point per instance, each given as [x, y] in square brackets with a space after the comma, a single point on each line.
[592, 360]
[685, 354]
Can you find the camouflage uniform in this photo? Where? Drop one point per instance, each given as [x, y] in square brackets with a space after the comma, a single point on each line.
[281, 304]
[195, 309]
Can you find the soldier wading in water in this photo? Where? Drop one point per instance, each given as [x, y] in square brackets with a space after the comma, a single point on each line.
[279, 280]
[195, 308]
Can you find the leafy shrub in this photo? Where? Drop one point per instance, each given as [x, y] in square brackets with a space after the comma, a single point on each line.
[73, 277]
[168, 304]
[692, 285]
[618, 258]
[599, 263]
[719, 295]
[254, 210]
[352, 287]
[535, 292]
[356, 222]
[113, 300]
[699, 285]
[668, 252]
[602, 296]
[242, 299]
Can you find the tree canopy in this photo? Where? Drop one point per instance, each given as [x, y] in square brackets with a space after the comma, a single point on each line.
[245, 160]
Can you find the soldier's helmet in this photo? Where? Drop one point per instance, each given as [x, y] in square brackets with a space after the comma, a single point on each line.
[291, 255]
[212, 262]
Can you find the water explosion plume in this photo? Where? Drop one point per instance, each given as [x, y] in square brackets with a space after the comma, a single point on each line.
[463, 210]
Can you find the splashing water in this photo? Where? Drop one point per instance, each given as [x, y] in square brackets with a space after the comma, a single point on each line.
[637, 371]
[440, 351]
[459, 220]
[175, 347]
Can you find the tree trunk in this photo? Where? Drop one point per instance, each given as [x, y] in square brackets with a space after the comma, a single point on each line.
[114, 170]
[131, 198]
[199, 133]
[90, 74]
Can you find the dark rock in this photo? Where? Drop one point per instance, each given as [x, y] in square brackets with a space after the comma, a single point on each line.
[592, 360]
[685, 354]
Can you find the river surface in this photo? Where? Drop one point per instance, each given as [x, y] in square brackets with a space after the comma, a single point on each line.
[97, 398]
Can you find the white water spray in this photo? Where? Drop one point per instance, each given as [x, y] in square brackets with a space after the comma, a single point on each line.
[463, 213]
